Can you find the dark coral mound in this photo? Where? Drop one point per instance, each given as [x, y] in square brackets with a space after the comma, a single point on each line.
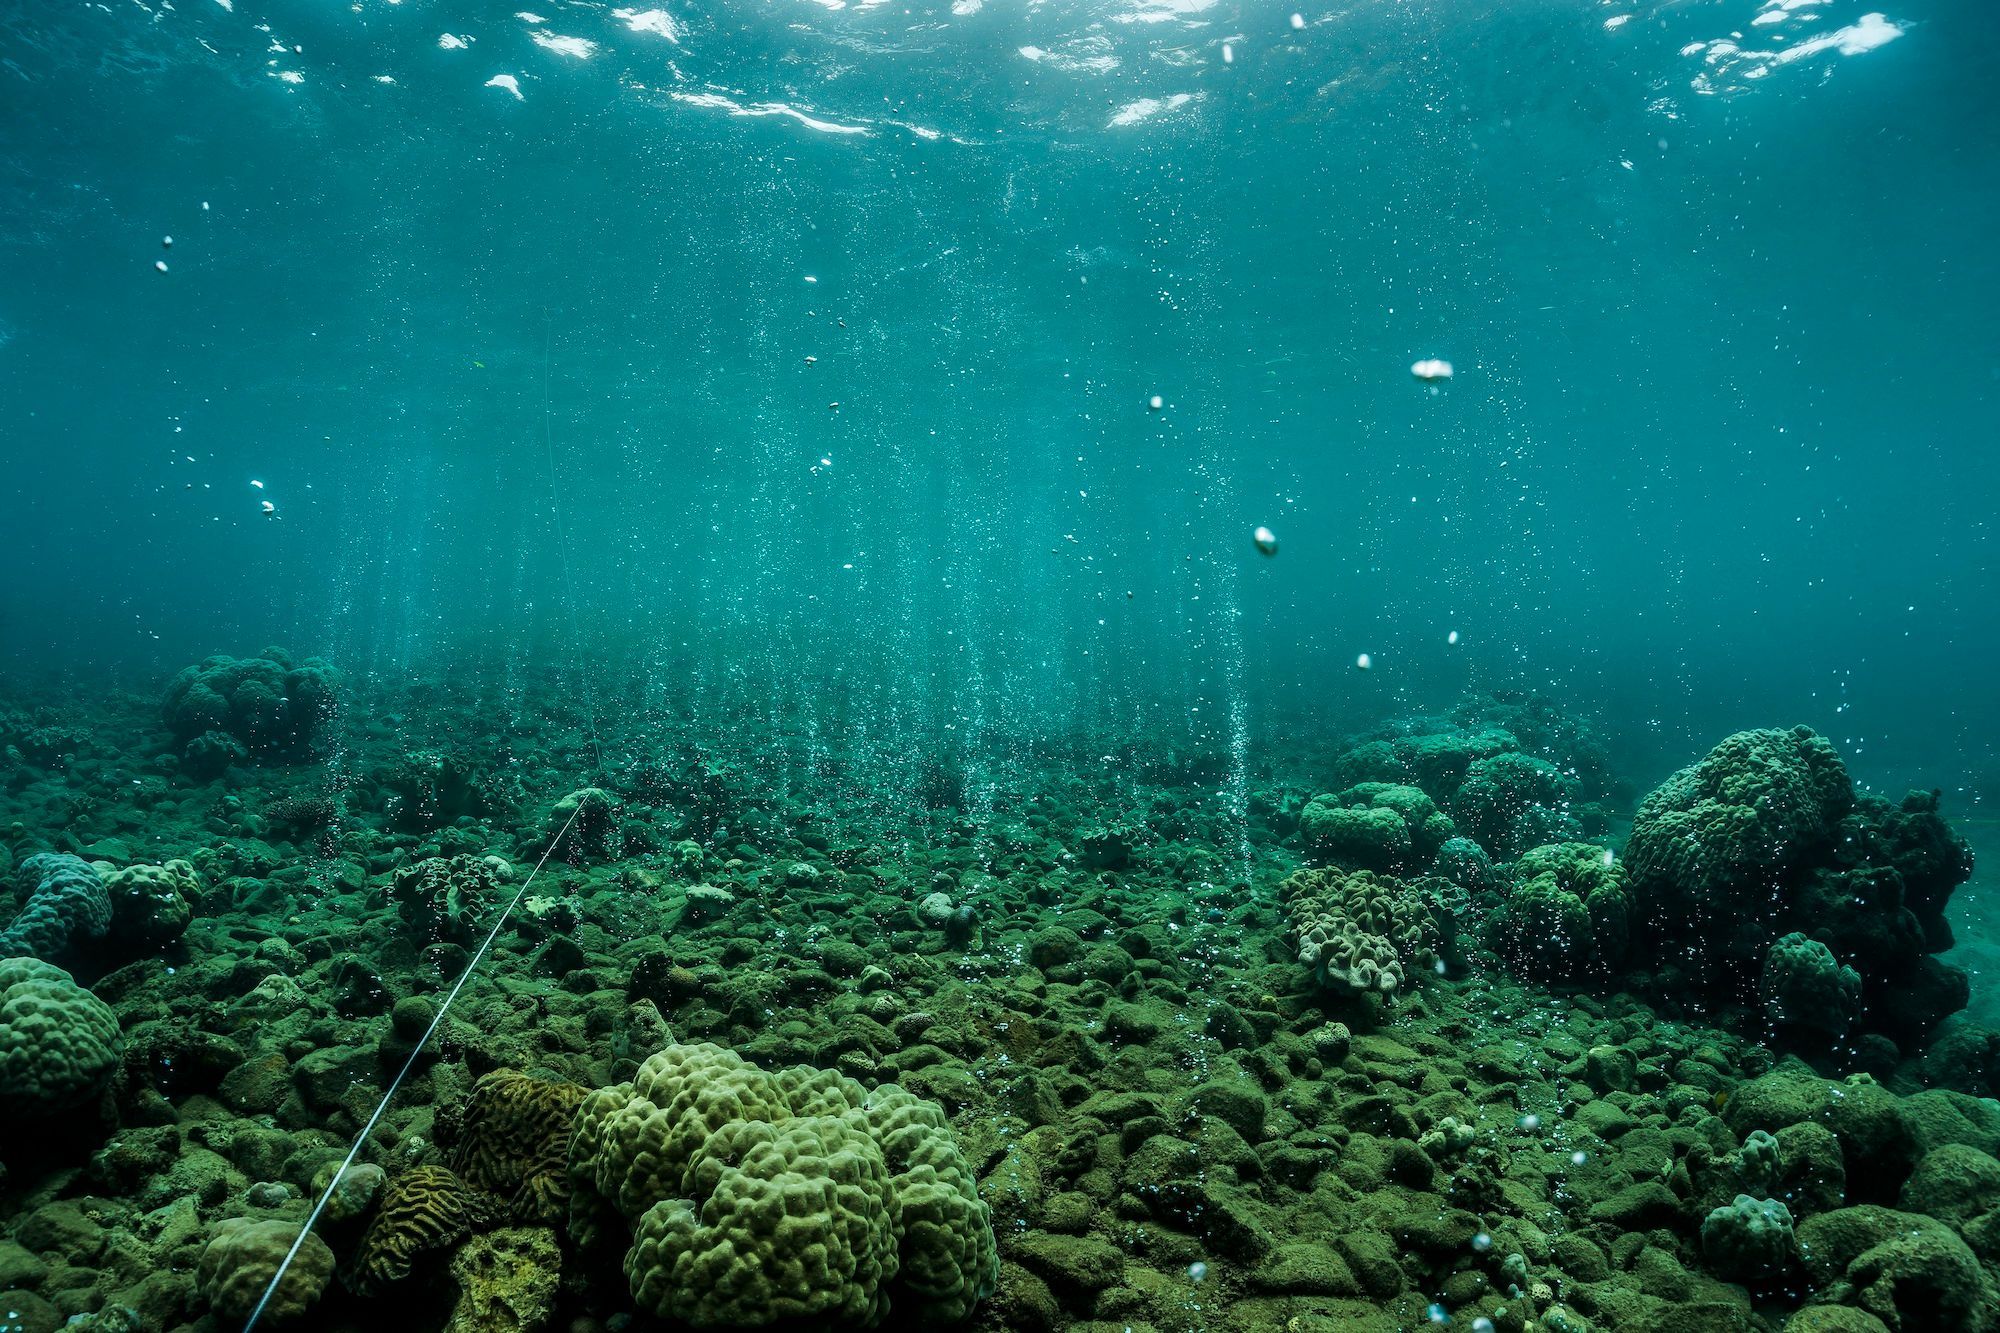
[267, 705]
[1761, 879]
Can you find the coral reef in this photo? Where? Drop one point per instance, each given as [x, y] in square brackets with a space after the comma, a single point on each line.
[1035, 1054]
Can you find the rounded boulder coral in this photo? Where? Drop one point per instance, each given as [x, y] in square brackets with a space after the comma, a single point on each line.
[746, 1198]
[242, 1256]
[59, 1043]
[1510, 802]
[269, 703]
[1565, 916]
[1380, 826]
[1728, 834]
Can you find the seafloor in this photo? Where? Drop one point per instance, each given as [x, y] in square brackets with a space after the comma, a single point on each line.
[1439, 1023]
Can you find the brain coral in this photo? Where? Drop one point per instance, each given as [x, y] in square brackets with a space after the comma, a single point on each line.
[426, 1211]
[1359, 931]
[69, 906]
[511, 1140]
[58, 1042]
[750, 1197]
[271, 704]
[240, 1259]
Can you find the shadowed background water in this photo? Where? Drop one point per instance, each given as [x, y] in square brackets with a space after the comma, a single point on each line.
[541, 375]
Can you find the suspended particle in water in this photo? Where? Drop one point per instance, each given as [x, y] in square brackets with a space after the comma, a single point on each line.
[160, 265]
[1482, 1325]
[204, 205]
[166, 242]
[1482, 1242]
[258, 484]
[811, 278]
[1266, 541]
[833, 407]
[270, 510]
[1364, 661]
[1451, 637]
[1431, 369]
[1155, 403]
[1228, 54]
[1530, 1122]
[1437, 1314]
[1298, 21]
[1579, 1157]
[1197, 1271]
[1128, 594]
[812, 360]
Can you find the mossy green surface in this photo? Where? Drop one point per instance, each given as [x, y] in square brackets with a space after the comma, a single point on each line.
[1174, 1125]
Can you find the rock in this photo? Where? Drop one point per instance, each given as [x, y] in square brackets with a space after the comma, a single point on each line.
[1638, 1207]
[1604, 1119]
[1235, 1103]
[325, 1076]
[1610, 1069]
[1954, 1183]
[1834, 1319]
[1077, 1263]
[1371, 1257]
[20, 1267]
[1304, 1268]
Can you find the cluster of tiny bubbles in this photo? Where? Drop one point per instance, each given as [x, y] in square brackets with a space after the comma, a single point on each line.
[1482, 1242]
[1197, 1272]
[1530, 1122]
[1437, 1314]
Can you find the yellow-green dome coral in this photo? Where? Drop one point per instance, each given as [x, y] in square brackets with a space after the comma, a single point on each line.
[751, 1197]
[58, 1042]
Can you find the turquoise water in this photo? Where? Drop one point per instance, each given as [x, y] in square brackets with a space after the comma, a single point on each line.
[1715, 450]
[854, 532]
